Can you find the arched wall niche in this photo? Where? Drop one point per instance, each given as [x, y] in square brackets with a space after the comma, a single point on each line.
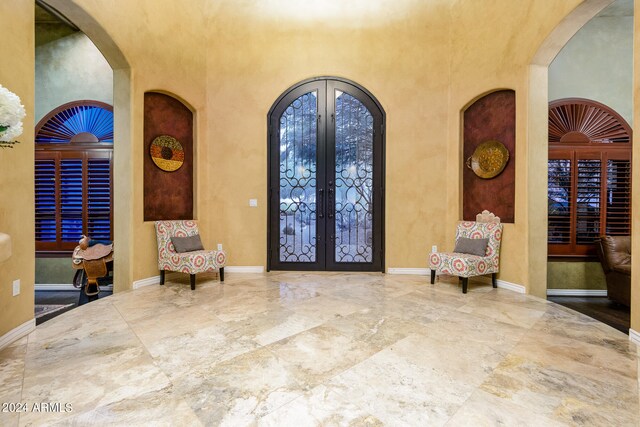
[168, 195]
[489, 117]
[123, 168]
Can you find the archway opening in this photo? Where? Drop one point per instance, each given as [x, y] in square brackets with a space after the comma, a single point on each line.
[538, 135]
[74, 22]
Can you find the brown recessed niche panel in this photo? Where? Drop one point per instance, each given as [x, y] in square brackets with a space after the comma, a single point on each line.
[167, 194]
[490, 118]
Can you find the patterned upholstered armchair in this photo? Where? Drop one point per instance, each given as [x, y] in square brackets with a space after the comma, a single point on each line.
[192, 263]
[464, 265]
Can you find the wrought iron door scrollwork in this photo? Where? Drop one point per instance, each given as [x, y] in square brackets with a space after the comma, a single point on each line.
[298, 136]
[353, 180]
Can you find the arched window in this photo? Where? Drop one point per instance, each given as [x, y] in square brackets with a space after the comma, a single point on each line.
[73, 175]
[589, 186]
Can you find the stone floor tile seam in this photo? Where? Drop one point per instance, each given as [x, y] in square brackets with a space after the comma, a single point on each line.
[276, 408]
[485, 317]
[377, 346]
[142, 344]
[24, 372]
[337, 392]
[542, 320]
[460, 408]
[554, 369]
[564, 341]
[326, 381]
[521, 409]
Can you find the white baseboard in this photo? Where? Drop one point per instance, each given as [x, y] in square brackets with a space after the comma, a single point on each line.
[503, 284]
[412, 271]
[155, 280]
[511, 286]
[576, 292]
[55, 287]
[244, 269]
[426, 271]
[634, 337]
[17, 333]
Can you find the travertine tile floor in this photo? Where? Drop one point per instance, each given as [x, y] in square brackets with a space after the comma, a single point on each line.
[300, 349]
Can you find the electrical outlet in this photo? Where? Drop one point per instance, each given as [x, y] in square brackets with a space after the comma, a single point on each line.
[16, 287]
[219, 246]
[253, 202]
[434, 248]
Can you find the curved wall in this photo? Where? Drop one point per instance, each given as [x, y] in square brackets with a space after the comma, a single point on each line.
[16, 168]
[229, 61]
[423, 61]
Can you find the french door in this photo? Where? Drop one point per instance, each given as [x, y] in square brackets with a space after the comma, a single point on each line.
[326, 179]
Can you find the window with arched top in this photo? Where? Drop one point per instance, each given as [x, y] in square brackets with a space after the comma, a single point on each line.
[589, 176]
[73, 175]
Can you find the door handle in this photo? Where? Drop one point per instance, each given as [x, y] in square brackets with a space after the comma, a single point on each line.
[330, 201]
[320, 203]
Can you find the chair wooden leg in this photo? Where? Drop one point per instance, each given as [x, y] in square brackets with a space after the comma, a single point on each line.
[465, 281]
[162, 277]
[222, 274]
[494, 281]
[433, 276]
[193, 281]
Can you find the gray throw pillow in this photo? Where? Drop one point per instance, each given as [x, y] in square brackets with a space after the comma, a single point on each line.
[187, 244]
[471, 246]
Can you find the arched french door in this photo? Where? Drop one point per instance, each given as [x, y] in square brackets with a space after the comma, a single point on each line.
[326, 178]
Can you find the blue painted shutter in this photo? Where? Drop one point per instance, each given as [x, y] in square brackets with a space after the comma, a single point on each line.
[45, 194]
[99, 198]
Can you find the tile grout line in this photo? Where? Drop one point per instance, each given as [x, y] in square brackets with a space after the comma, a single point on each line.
[139, 340]
[24, 372]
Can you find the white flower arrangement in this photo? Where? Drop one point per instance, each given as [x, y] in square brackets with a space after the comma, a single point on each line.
[11, 115]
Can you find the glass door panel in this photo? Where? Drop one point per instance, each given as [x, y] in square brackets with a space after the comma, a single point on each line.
[326, 179]
[298, 180]
[353, 179]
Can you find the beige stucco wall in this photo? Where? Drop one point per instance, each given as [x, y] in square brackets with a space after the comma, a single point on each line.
[163, 47]
[422, 69]
[70, 68]
[229, 60]
[16, 166]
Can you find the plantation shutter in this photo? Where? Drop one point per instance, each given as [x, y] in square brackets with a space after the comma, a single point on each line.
[560, 201]
[592, 199]
[71, 172]
[99, 198]
[73, 197]
[588, 189]
[618, 197]
[589, 180]
[73, 175]
[45, 200]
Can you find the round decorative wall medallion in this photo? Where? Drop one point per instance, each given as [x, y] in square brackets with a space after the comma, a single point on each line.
[489, 159]
[167, 153]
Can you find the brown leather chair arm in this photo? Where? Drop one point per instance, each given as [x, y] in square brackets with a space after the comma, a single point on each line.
[614, 251]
